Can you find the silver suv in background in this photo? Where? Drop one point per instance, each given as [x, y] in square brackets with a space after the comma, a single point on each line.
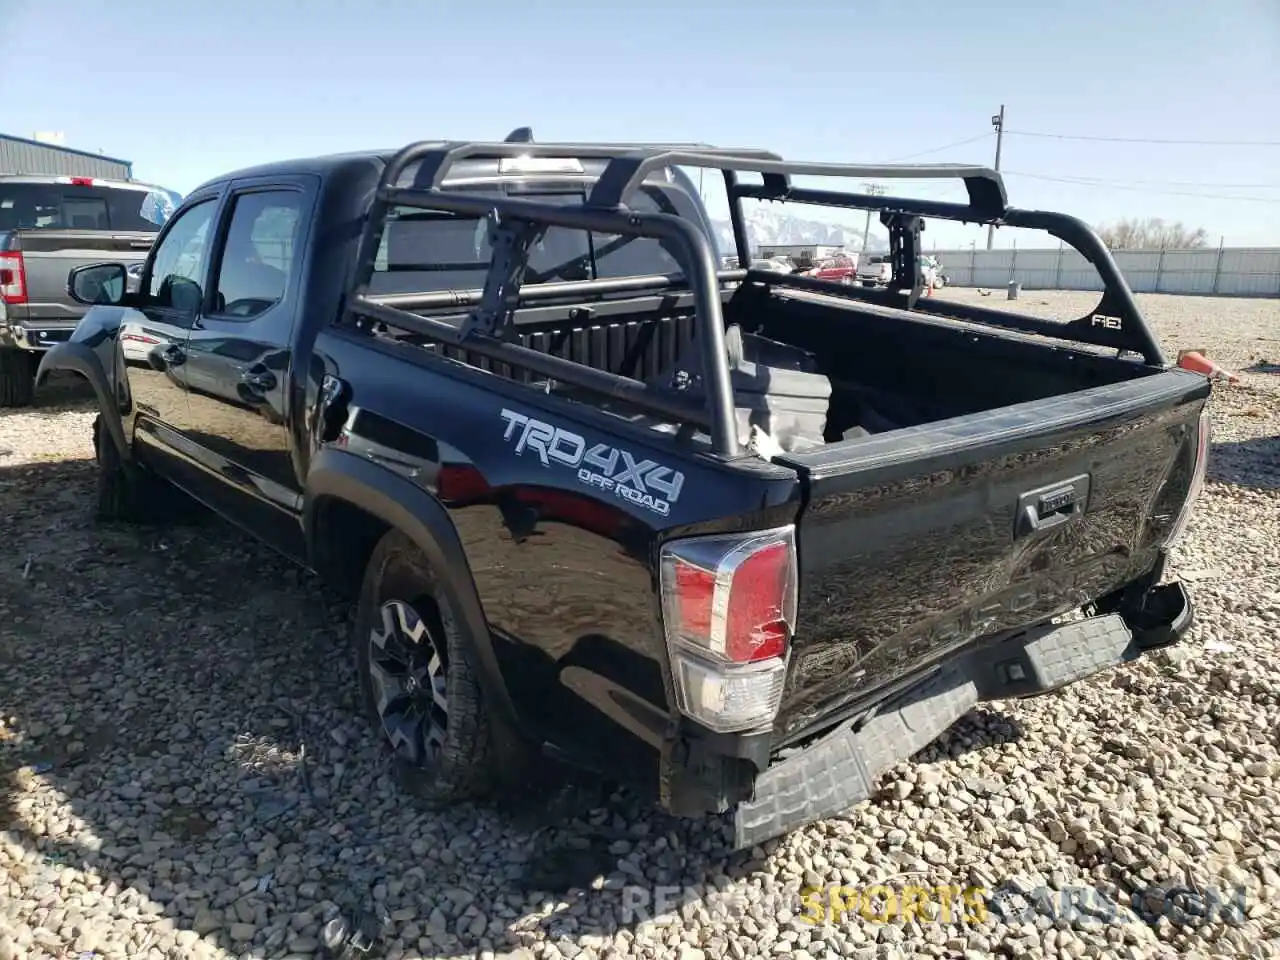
[48, 226]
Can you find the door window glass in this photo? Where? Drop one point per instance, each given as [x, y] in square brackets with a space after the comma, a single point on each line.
[258, 256]
[180, 260]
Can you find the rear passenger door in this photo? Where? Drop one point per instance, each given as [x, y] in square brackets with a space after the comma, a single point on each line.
[238, 358]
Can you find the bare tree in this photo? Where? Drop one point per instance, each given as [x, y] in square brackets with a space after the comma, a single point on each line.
[1151, 234]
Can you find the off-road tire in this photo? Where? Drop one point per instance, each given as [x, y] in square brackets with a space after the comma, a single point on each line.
[17, 377]
[128, 493]
[117, 489]
[464, 768]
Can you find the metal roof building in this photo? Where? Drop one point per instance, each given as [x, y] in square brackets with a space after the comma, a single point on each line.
[22, 156]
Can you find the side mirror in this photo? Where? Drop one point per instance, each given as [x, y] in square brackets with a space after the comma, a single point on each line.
[98, 283]
[179, 293]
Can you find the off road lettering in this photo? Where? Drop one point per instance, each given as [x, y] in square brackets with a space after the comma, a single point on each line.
[645, 483]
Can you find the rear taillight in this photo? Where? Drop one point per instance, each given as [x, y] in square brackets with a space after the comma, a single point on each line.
[1198, 469]
[729, 607]
[13, 277]
[81, 181]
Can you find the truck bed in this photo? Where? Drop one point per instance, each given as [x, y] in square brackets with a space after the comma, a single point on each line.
[910, 368]
[912, 535]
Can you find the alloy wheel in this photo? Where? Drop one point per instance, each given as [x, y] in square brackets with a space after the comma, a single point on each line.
[408, 665]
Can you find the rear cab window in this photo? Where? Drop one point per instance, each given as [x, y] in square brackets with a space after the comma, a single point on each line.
[69, 206]
[428, 252]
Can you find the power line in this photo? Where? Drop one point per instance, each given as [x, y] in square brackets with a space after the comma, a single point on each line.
[948, 146]
[1188, 183]
[1117, 185]
[1196, 143]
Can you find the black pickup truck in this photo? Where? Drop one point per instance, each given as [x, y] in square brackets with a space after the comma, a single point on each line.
[744, 539]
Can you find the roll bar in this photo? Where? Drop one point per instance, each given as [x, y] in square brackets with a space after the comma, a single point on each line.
[516, 222]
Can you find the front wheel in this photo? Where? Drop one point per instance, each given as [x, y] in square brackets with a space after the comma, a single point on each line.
[127, 493]
[418, 686]
[117, 493]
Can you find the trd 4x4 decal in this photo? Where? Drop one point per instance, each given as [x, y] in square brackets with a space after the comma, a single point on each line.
[643, 482]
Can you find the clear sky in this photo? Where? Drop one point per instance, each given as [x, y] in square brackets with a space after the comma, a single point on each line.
[188, 90]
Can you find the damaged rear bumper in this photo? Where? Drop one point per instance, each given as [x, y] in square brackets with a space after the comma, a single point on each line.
[839, 770]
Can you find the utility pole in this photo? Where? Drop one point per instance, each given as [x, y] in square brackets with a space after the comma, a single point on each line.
[998, 122]
[875, 190]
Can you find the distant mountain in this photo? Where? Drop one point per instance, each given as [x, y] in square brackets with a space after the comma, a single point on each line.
[765, 225]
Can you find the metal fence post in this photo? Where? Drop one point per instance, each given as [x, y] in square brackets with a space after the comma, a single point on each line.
[1057, 269]
[1159, 269]
[1217, 270]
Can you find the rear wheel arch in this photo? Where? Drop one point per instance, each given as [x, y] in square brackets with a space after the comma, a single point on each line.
[351, 503]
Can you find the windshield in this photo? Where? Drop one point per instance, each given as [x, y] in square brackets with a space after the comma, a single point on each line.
[59, 206]
[425, 251]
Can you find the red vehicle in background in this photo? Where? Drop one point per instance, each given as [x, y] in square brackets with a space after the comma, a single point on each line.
[841, 269]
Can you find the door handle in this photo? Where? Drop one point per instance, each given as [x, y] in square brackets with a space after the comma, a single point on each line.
[1048, 507]
[259, 381]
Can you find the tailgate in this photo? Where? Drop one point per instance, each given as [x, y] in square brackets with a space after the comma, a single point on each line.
[915, 542]
[50, 255]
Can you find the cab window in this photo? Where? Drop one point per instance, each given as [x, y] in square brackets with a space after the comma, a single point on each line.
[181, 260]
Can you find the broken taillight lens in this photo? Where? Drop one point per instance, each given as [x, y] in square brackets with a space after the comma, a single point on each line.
[729, 610]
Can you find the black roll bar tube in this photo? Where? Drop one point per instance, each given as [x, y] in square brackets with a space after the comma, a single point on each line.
[577, 289]
[439, 159]
[741, 242]
[942, 209]
[546, 364]
[1117, 298]
[624, 175]
[1118, 295]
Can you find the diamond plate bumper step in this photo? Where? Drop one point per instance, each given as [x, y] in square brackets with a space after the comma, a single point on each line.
[839, 770]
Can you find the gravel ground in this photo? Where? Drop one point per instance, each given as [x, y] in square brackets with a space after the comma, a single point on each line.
[185, 773]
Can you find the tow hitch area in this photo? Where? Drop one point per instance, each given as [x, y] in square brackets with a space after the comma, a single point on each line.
[839, 770]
